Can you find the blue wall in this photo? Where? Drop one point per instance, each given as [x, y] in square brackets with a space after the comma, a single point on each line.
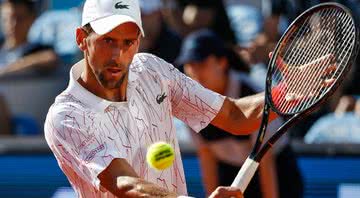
[32, 176]
[38, 176]
[322, 176]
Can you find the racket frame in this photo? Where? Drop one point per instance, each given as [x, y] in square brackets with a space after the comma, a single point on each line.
[334, 86]
[295, 117]
[251, 164]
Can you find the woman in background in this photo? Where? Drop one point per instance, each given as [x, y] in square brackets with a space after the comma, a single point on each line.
[207, 60]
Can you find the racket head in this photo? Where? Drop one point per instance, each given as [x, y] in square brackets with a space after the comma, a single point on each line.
[331, 23]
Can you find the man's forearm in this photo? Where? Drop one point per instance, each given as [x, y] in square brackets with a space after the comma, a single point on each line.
[241, 116]
[136, 187]
[120, 179]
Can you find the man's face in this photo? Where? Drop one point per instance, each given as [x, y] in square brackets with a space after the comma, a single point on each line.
[16, 20]
[110, 55]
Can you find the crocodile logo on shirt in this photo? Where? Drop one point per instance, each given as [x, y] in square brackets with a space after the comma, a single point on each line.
[160, 98]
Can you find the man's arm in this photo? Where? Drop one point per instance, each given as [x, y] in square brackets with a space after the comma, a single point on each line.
[241, 116]
[121, 179]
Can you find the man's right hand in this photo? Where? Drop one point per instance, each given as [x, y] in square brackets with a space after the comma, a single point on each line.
[226, 191]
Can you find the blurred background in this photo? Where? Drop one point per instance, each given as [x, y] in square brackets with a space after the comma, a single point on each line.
[319, 157]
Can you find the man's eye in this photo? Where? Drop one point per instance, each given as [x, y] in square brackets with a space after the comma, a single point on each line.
[128, 42]
[108, 40]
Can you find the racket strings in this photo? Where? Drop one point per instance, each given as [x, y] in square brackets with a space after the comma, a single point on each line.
[299, 45]
[317, 50]
[310, 53]
[295, 58]
[344, 54]
[342, 58]
[322, 89]
[291, 54]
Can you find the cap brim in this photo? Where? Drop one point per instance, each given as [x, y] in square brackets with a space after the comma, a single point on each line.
[107, 24]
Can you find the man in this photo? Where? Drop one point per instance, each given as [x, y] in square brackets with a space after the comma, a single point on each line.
[119, 102]
[17, 54]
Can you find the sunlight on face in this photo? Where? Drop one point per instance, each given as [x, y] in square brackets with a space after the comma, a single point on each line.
[110, 55]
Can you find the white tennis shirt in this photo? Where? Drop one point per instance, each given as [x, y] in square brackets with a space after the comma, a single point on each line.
[86, 132]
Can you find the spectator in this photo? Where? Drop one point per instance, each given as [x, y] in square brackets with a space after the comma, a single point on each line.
[160, 39]
[340, 126]
[186, 16]
[241, 16]
[207, 60]
[17, 55]
[48, 29]
[252, 44]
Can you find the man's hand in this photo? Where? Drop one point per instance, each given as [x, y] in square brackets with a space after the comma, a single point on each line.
[223, 192]
[131, 187]
[120, 179]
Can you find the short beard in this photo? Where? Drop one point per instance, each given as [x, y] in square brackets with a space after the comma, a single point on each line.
[111, 85]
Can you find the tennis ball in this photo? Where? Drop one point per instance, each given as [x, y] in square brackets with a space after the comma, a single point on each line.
[160, 155]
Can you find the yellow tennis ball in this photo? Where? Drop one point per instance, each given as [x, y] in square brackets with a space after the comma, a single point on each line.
[160, 155]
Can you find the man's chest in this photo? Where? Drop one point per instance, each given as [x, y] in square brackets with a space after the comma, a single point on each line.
[145, 117]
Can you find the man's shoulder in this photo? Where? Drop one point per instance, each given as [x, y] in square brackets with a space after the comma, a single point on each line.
[66, 104]
[149, 60]
[64, 112]
[144, 55]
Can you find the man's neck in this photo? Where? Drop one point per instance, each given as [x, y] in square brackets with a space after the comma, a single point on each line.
[89, 82]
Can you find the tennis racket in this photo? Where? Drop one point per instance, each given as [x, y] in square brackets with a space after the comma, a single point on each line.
[309, 62]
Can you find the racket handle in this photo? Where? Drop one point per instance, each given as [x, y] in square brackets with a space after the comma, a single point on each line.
[245, 174]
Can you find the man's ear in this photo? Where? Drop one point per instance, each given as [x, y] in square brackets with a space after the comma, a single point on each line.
[81, 38]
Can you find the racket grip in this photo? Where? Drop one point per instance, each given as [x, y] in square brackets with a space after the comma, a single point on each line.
[245, 174]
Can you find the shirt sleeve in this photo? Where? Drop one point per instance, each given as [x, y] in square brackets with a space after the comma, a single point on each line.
[192, 103]
[76, 141]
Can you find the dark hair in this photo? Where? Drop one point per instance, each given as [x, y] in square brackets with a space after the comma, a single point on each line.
[87, 28]
[200, 44]
[235, 60]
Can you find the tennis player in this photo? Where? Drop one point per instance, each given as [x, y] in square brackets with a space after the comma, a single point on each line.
[118, 102]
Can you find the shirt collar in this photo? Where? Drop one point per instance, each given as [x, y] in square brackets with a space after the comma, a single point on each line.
[79, 92]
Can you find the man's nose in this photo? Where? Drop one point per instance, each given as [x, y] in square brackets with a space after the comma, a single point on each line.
[117, 53]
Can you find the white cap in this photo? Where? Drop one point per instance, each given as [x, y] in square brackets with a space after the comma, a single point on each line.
[105, 15]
